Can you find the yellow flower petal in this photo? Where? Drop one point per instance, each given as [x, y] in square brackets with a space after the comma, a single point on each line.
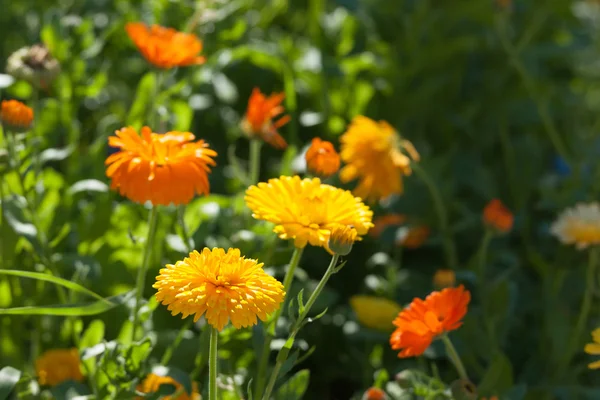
[592, 348]
[594, 365]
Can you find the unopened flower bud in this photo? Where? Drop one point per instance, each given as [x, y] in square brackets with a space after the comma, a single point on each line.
[463, 390]
[374, 393]
[341, 239]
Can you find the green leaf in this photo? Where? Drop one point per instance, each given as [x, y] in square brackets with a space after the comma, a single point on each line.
[295, 387]
[301, 306]
[88, 185]
[498, 377]
[69, 390]
[144, 97]
[92, 335]
[9, 377]
[75, 287]
[137, 354]
[72, 310]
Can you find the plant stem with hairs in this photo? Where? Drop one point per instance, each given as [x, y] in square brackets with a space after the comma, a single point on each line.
[141, 276]
[442, 214]
[264, 357]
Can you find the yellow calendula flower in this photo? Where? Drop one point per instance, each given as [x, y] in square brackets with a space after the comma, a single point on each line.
[58, 365]
[579, 225]
[222, 285]
[375, 312]
[305, 210]
[594, 348]
[152, 383]
[444, 278]
[374, 154]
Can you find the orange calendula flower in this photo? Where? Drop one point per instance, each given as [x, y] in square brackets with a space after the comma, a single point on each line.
[16, 116]
[424, 320]
[444, 278]
[383, 222]
[579, 225]
[258, 122]
[374, 154]
[374, 394]
[306, 210]
[222, 285]
[497, 216]
[412, 237]
[322, 159]
[58, 365]
[594, 348]
[152, 383]
[165, 47]
[160, 168]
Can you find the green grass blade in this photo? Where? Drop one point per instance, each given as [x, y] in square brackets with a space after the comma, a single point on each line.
[72, 310]
[53, 279]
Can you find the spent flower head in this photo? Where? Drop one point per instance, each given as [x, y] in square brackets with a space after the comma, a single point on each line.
[33, 64]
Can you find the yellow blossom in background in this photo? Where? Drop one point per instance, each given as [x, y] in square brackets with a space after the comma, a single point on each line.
[305, 210]
[374, 155]
[594, 348]
[341, 240]
[444, 278]
[152, 382]
[375, 312]
[58, 365]
[579, 225]
[223, 285]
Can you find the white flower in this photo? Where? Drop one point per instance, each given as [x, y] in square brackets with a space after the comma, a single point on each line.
[579, 225]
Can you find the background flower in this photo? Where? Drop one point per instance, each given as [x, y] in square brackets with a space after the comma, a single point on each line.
[258, 122]
[305, 210]
[165, 47]
[375, 312]
[58, 365]
[373, 153]
[322, 159]
[579, 225]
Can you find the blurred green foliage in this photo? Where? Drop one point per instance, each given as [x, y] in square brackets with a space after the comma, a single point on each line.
[500, 102]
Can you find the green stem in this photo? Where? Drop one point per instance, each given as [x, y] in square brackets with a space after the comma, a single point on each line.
[586, 305]
[455, 358]
[212, 364]
[485, 244]
[184, 232]
[442, 214]
[154, 119]
[169, 351]
[537, 97]
[141, 276]
[264, 357]
[15, 165]
[255, 145]
[282, 356]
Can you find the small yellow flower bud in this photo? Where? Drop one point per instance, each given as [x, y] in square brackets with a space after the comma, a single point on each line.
[341, 239]
[444, 278]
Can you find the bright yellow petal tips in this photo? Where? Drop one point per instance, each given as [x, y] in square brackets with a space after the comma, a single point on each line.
[223, 286]
[305, 210]
[594, 348]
